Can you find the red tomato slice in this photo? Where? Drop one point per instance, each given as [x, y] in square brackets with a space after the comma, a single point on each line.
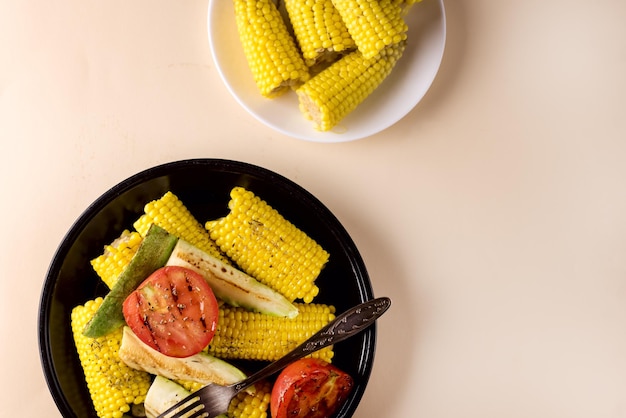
[310, 388]
[173, 311]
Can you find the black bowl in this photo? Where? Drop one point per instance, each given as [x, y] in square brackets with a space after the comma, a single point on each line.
[203, 185]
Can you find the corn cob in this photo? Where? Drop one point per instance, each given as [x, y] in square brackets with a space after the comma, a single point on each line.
[270, 50]
[373, 24]
[268, 247]
[116, 256]
[248, 335]
[336, 91]
[113, 386]
[171, 214]
[319, 30]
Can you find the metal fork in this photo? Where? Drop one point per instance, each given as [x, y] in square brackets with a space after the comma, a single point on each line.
[213, 400]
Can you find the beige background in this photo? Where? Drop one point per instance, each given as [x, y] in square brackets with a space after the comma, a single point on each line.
[494, 214]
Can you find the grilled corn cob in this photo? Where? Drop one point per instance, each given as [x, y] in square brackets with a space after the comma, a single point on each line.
[270, 50]
[336, 91]
[171, 214]
[248, 335]
[319, 30]
[373, 24]
[116, 256]
[113, 386]
[268, 247]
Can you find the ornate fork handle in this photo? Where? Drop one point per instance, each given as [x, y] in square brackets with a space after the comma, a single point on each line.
[344, 326]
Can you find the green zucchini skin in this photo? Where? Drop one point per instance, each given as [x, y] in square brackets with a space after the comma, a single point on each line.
[152, 254]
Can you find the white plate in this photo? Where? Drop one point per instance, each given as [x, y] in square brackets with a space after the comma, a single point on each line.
[399, 93]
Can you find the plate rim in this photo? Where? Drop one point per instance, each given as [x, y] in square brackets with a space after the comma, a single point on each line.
[329, 137]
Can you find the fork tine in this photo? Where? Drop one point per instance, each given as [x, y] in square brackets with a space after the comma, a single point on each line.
[192, 402]
[199, 413]
[191, 408]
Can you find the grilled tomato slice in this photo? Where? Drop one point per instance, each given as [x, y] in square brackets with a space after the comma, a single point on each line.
[309, 388]
[173, 311]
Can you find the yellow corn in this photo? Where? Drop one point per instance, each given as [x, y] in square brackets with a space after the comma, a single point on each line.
[373, 24]
[319, 30]
[268, 247]
[171, 214]
[190, 385]
[248, 335]
[113, 386]
[116, 256]
[270, 50]
[247, 404]
[336, 91]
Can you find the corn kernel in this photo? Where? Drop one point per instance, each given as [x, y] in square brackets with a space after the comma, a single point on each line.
[171, 214]
[251, 405]
[268, 247]
[319, 30]
[116, 256]
[109, 380]
[270, 50]
[335, 92]
[373, 24]
[255, 336]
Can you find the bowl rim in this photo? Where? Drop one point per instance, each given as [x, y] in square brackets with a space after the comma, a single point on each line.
[44, 338]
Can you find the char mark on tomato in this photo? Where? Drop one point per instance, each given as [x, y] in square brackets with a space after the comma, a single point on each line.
[174, 311]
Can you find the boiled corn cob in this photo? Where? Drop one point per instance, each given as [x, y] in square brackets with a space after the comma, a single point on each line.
[270, 50]
[373, 24]
[171, 214]
[268, 247]
[116, 256]
[319, 30]
[113, 386]
[336, 91]
[248, 335]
